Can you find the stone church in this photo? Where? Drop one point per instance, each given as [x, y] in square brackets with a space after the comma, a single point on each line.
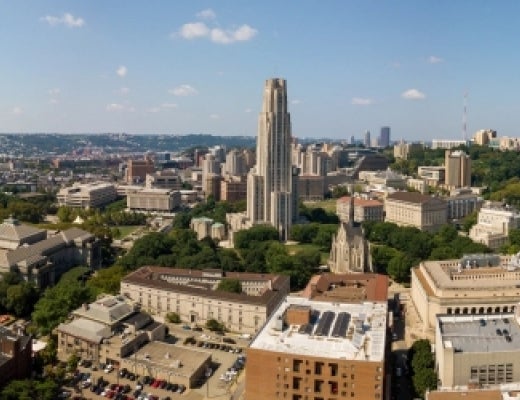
[350, 251]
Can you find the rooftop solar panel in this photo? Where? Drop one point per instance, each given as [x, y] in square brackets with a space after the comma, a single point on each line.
[325, 323]
[341, 325]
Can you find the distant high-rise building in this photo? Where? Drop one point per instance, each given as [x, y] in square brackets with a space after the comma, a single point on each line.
[366, 142]
[271, 183]
[352, 140]
[384, 139]
[458, 169]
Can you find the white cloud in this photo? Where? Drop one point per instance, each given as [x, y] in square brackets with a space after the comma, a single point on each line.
[183, 90]
[122, 71]
[361, 101]
[248, 110]
[241, 34]
[124, 91]
[154, 110]
[395, 64]
[214, 116]
[435, 60]
[413, 94]
[169, 105]
[296, 101]
[54, 91]
[115, 107]
[194, 30]
[53, 101]
[17, 110]
[66, 19]
[208, 13]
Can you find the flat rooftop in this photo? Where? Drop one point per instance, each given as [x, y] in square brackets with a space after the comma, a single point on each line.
[466, 394]
[480, 333]
[336, 331]
[180, 360]
[454, 275]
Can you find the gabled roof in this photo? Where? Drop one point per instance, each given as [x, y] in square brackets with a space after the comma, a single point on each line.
[11, 229]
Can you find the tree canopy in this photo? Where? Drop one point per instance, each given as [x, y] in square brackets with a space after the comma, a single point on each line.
[230, 285]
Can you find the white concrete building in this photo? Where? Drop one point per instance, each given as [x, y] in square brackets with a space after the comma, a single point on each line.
[87, 195]
[493, 225]
[153, 200]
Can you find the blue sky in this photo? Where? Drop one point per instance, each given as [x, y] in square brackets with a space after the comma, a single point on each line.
[184, 67]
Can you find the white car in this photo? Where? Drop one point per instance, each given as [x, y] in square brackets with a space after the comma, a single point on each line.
[109, 368]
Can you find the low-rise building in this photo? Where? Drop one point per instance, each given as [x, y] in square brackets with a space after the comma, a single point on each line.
[461, 203]
[15, 356]
[424, 212]
[107, 331]
[170, 362]
[87, 195]
[13, 234]
[193, 295]
[153, 200]
[433, 175]
[493, 225]
[165, 179]
[45, 261]
[364, 209]
[477, 350]
[475, 284]
[386, 178]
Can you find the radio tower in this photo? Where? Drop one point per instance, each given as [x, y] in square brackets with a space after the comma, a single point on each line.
[465, 117]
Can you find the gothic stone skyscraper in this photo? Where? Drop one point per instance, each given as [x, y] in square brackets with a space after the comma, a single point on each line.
[271, 183]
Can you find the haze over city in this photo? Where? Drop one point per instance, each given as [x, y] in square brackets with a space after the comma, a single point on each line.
[180, 67]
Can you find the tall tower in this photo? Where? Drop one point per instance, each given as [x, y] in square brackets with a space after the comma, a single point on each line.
[384, 140]
[366, 140]
[270, 188]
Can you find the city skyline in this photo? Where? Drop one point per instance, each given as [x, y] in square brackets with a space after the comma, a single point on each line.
[181, 68]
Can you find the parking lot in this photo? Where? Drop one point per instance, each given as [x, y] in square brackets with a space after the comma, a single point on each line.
[96, 382]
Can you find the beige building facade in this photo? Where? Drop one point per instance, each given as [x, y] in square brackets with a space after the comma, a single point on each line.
[473, 285]
[193, 296]
[87, 195]
[424, 212]
[458, 169]
[153, 200]
[364, 209]
[481, 351]
[493, 225]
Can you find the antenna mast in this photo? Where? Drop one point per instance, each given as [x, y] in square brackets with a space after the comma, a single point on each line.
[465, 117]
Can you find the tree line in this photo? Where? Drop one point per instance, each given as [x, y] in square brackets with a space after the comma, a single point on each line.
[395, 250]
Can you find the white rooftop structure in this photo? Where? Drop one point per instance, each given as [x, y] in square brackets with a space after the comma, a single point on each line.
[362, 339]
[107, 310]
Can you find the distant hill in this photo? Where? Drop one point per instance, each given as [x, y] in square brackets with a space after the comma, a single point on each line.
[49, 143]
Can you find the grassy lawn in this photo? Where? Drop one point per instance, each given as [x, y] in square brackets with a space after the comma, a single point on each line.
[327, 205]
[294, 248]
[126, 230]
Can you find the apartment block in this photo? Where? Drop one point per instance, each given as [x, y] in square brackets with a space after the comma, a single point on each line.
[319, 350]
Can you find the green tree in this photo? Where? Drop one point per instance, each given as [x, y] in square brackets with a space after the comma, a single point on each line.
[399, 267]
[72, 362]
[230, 285]
[215, 326]
[173, 317]
[20, 298]
[258, 233]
